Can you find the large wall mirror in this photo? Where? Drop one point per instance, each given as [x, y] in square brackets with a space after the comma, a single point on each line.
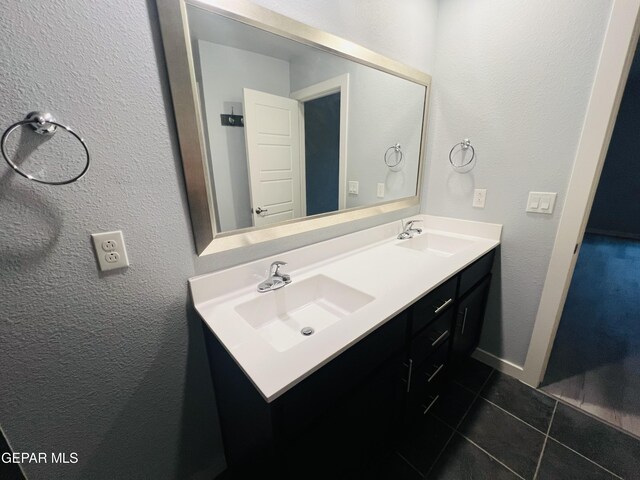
[284, 128]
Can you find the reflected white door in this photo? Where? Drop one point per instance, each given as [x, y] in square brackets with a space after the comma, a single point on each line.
[272, 133]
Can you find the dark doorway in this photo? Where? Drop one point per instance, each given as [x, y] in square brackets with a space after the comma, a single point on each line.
[595, 359]
[322, 153]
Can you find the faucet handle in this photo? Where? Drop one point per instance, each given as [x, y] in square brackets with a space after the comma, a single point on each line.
[410, 223]
[275, 267]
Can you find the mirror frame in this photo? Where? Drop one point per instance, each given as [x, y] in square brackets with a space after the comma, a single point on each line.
[186, 103]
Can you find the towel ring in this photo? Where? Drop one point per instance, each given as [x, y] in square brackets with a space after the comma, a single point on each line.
[397, 149]
[464, 145]
[42, 124]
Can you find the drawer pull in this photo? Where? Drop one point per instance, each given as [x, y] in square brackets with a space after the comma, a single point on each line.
[464, 320]
[443, 305]
[410, 367]
[433, 375]
[433, 402]
[439, 339]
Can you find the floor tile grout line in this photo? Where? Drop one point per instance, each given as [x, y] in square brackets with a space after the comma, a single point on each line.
[471, 390]
[546, 438]
[547, 435]
[491, 456]
[435, 461]
[484, 384]
[514, 416]
[589, 414]
[409, 463]
[560, 401]
[585, 457]
[478, 395]
[475, 399]
[455, 429]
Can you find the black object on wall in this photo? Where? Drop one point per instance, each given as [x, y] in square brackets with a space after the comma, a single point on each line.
[616, 207]
[322, 153]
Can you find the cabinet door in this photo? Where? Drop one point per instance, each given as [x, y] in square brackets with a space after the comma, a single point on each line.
[353, 433]
[469, 318]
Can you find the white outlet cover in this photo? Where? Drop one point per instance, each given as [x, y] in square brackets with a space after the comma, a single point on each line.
[380, 191]
[353, 187]
[479, 197]
[110, 249]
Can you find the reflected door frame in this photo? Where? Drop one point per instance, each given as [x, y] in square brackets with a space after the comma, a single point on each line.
[339, 84]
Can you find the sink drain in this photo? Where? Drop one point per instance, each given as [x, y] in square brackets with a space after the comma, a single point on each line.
[306, 331]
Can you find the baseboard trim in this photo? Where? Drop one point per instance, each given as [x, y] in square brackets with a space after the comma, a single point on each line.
[500, 364]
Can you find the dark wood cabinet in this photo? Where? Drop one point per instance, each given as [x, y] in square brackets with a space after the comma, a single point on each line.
[332, 423]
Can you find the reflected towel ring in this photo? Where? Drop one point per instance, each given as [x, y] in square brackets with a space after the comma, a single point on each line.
[464, 145]
[397, 149]
[42, 124]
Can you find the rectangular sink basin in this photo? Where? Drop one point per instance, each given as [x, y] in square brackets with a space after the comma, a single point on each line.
[440, 245]
[316, 303]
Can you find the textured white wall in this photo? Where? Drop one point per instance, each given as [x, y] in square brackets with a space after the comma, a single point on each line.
[109, 366]
[515, 77]
[113, 366]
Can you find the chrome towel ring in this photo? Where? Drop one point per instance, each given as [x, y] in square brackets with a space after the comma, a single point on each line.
[43, 124]
[397, 149]
[464, 146]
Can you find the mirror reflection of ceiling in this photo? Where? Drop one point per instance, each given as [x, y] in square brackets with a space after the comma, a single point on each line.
[327, 153]
[210, 27]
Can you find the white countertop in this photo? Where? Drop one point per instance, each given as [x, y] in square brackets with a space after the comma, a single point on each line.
[369, 261]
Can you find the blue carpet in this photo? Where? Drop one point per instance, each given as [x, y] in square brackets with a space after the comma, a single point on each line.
[598, 339]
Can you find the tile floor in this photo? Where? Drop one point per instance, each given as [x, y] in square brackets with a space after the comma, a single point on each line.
[491, 426]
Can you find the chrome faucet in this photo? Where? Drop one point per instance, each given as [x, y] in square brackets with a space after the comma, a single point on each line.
[276, 279]
[408, 231]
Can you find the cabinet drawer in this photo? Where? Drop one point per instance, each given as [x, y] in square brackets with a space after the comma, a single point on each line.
[431, 337]
[475, 272]
[427, 377]
[435, 303]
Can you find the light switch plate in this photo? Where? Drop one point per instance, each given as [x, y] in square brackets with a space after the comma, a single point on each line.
[541, 202]
[110, 250]
[353, 187]
[381, 190]
[479, 197]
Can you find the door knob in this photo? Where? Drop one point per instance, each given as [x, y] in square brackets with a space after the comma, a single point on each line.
[261, 211]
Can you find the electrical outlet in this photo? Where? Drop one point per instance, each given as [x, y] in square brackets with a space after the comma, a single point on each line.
[112, 257]
[353, 187]
[110, 250]
[381, 190]
[109, 245]
[479, 197]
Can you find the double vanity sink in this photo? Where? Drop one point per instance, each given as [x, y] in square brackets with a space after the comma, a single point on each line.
[332, 347]
[286, 316]
[341, 289]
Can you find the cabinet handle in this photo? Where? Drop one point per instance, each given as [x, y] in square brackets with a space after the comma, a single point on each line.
[410, 367]
[443, 305]
[437, 340]
[433, 375]
[464, 319]
[427, 408]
